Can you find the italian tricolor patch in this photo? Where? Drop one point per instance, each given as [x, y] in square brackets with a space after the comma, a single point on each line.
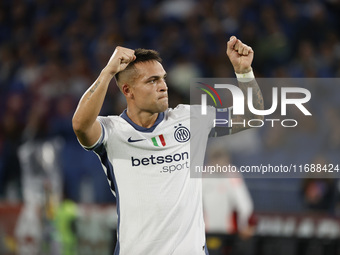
[158, 141]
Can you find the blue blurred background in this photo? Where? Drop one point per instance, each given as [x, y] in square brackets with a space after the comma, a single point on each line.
[51, 52]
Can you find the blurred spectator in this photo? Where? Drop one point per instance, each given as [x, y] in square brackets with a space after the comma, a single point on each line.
[65, 220]
[11, 127]
[228, 206]
[318, 189]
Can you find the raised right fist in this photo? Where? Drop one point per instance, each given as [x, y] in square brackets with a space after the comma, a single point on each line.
[119, 60]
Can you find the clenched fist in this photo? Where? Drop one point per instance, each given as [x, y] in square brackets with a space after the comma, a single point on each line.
[240, 55]
[119, 60]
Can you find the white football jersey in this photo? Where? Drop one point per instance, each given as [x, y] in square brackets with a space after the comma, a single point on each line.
[159, 206]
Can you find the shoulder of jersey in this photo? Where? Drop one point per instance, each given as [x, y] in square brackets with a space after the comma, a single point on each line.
[111, 120]
[179, 110]
[186, 110]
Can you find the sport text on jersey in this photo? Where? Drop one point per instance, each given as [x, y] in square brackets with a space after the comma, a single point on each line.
[169, 163]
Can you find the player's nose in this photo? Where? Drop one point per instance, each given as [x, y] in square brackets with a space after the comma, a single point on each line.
[163, 86]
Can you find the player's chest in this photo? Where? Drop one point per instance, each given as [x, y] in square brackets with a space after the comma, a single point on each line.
[170, 136]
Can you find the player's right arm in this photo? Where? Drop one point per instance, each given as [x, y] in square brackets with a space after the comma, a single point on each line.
[84, 121]
[241, 56]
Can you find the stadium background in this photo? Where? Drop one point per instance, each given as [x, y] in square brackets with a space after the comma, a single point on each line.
[51, 51]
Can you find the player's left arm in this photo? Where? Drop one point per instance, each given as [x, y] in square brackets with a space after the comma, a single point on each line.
[241, 57]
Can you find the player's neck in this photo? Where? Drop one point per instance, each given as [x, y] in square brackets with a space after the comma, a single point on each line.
[142, 118]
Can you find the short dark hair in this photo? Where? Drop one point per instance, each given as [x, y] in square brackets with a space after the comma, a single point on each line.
[142, 55]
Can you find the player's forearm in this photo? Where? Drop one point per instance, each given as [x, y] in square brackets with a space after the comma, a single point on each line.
[91, 103]
[257, 98]
[257, 102]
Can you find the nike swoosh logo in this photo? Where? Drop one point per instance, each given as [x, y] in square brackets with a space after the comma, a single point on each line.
[133, 141]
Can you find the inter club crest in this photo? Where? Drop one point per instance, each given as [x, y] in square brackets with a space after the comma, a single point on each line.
[182, 134]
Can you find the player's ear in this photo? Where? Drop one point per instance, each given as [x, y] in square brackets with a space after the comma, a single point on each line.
[126, 89]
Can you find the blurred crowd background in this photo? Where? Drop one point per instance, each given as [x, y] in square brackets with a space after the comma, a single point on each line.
[51, 52]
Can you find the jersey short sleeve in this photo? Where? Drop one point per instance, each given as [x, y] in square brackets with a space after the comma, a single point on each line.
[106, 124]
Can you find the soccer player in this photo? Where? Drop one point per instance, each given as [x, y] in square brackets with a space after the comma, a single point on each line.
[145, 151]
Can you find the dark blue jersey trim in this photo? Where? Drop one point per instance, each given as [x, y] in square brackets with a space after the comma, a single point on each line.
[102, 153]
[206, 249]
[222, 127]
[100, 142]
[223, 113]
[143, 129]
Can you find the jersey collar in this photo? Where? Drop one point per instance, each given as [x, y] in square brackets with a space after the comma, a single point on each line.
[160, 117]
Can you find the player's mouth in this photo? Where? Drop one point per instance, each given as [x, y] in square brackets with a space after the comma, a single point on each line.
[163, 97]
